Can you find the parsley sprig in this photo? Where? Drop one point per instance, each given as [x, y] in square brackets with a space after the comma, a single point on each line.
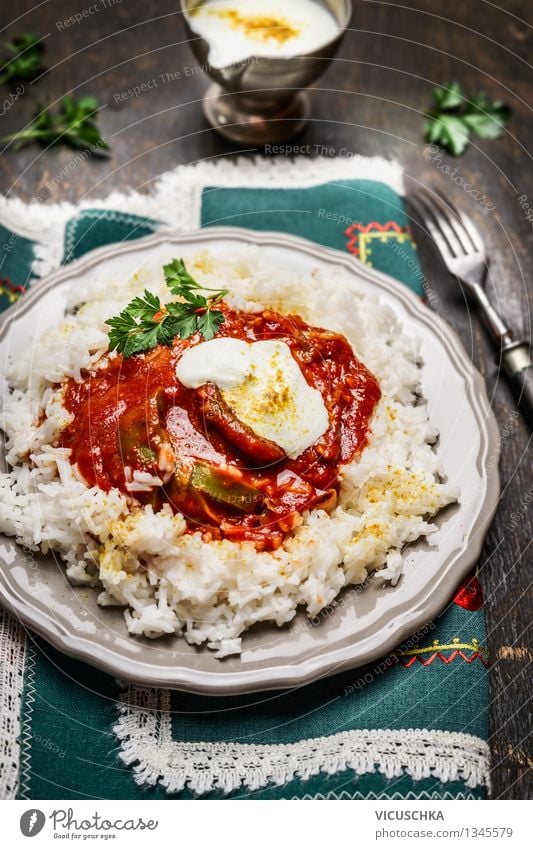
[454, 118]
[24, 59]
[74, 124]
[146, 322]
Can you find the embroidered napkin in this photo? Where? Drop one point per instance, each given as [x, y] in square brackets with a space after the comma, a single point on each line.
[413, 725]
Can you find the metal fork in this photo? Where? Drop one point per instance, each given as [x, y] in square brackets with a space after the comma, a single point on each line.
[463, 252]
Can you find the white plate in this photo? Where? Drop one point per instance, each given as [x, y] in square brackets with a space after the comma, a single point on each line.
[367, 624]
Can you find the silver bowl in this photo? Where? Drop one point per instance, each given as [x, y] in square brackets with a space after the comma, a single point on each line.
[262, 100]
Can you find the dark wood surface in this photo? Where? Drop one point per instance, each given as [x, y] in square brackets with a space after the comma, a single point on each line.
[369, 101]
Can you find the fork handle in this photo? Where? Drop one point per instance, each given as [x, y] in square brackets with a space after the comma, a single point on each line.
[517, 363]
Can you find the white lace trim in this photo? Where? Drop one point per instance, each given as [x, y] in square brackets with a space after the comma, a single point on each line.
[12, 653]
[145, 731]
[345, 795]
[175, 200]
[24, 746]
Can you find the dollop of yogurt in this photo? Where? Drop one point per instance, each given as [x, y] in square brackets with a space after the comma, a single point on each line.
[263, 385]
[235, 30]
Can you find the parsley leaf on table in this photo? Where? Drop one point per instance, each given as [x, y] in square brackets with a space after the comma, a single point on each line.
[74, 124]
[448, 131]
[454, 118]
[146, 322]
[24, 58]
[448, 97]
[487, 119]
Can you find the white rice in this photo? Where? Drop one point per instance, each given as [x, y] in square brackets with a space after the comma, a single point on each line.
[172, 582]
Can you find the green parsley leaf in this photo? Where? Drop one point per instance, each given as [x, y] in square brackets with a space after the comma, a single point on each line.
[144, 338]
[24, 58]
[209, 322]
[146, 322]
[449, 97]
[485, 118]
[74, 124]
[178, 278]
[186, 325]
[454, 118]
[448, 131]
[146, 307]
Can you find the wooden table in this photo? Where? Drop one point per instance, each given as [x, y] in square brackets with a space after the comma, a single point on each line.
[369, 101]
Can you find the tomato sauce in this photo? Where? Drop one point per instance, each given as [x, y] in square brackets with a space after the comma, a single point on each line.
[137, 428]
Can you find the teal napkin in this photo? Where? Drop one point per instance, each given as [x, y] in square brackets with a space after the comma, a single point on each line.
[417, 719]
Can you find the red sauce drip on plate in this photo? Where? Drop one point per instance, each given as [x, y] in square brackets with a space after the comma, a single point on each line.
[134, 416]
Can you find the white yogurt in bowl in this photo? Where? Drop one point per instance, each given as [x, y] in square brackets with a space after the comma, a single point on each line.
[235, 30]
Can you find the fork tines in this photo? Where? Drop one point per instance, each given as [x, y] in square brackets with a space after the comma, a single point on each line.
[453, 232]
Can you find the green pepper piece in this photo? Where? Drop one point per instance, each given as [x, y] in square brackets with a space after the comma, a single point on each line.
[218, 486]
[146, 454]
[140, 432]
